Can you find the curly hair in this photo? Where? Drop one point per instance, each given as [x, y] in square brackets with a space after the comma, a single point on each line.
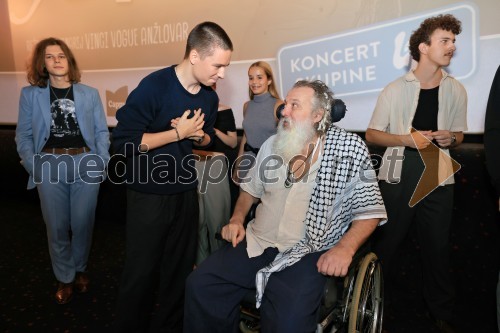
[423, 34]
[323, 100]
[37, 73]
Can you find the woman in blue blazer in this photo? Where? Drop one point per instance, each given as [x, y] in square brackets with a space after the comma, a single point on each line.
[63, 141]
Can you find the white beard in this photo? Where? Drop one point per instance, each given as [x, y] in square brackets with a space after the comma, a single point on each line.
[292, 141]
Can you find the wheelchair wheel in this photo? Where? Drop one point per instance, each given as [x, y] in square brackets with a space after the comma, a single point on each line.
[349, 281]
[366, 307]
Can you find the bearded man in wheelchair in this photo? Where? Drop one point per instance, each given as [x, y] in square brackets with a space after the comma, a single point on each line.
[318, 202]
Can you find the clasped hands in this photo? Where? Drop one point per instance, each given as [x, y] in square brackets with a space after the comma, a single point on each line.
[191, 128]
[422, 139]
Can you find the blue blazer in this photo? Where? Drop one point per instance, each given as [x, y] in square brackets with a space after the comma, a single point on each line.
[33, 125]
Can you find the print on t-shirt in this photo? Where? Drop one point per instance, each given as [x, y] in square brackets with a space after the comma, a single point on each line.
[63, 118]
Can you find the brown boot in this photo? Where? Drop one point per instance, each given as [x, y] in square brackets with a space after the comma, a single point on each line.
[82, 282]
[64, 293]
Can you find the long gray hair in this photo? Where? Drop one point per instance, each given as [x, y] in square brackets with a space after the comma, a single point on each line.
[322, 100]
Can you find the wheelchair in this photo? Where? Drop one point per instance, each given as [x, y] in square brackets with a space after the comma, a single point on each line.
[361, 305]
[360, 309]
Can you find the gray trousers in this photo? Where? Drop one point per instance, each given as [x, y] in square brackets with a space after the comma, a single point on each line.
[214, 199]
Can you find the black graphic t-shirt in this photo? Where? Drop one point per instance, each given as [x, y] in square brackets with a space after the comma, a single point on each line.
[64, 129]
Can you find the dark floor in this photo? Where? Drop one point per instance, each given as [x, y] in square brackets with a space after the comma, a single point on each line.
[27, 283]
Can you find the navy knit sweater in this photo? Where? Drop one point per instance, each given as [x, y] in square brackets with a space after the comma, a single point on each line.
[149, 108]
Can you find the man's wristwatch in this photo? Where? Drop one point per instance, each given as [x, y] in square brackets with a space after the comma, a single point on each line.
[453, 138]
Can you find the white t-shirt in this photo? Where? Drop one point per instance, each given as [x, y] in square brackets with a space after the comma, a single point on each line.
[279, 218]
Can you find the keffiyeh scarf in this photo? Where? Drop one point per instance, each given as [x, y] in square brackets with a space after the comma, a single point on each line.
[345, 184]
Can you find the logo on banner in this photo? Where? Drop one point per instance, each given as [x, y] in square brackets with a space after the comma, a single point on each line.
[115, 100]
[367, 59]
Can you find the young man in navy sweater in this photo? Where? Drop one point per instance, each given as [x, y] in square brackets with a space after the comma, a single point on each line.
[168, 112]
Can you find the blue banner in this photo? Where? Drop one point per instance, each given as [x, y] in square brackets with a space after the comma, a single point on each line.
[367, 59]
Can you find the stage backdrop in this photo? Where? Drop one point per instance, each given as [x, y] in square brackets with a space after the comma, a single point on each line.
[356, 46]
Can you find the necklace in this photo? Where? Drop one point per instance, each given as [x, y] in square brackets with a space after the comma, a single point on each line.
[57, 98]
[290, 174]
